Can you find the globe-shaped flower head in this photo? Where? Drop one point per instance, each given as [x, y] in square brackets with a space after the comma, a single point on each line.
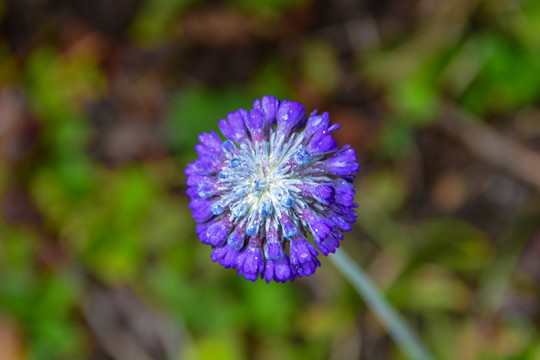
[277, 180]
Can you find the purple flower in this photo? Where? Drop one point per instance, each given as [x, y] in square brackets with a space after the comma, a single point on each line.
[276, 179]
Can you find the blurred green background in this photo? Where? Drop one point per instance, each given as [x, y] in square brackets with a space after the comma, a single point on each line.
[100, 105]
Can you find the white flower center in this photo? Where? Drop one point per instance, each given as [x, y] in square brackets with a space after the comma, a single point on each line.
[259, 183]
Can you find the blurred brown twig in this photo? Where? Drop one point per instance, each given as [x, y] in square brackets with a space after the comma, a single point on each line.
[493, 147]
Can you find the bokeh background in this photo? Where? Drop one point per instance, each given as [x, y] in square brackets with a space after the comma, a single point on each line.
[100, 105]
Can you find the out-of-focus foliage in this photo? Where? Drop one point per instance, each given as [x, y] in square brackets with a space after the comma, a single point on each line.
[155, 22]
[100, 107]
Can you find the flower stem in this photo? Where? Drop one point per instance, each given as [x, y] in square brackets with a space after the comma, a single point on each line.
[388, 316]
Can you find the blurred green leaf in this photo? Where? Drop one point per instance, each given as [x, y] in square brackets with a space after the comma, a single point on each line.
[205, 305]
[114, 248]
[16, 255]
[440, 334]
[225, 347]
[383, 191]
[532, 352]
[396, 139]
[260, 310]
[197, 109]
[43, 302]
[320, 67]
[415, 100]
[322, 322]
[430, 288]
[53, 324]
[57, 84]
[166, 223]
[156, 20]
[60, 186]
[454, 244]
[269, 8]
[524, 23]
[272, 79]
[509, 79]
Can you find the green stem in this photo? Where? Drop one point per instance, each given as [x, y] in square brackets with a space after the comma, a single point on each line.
[387, 315]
